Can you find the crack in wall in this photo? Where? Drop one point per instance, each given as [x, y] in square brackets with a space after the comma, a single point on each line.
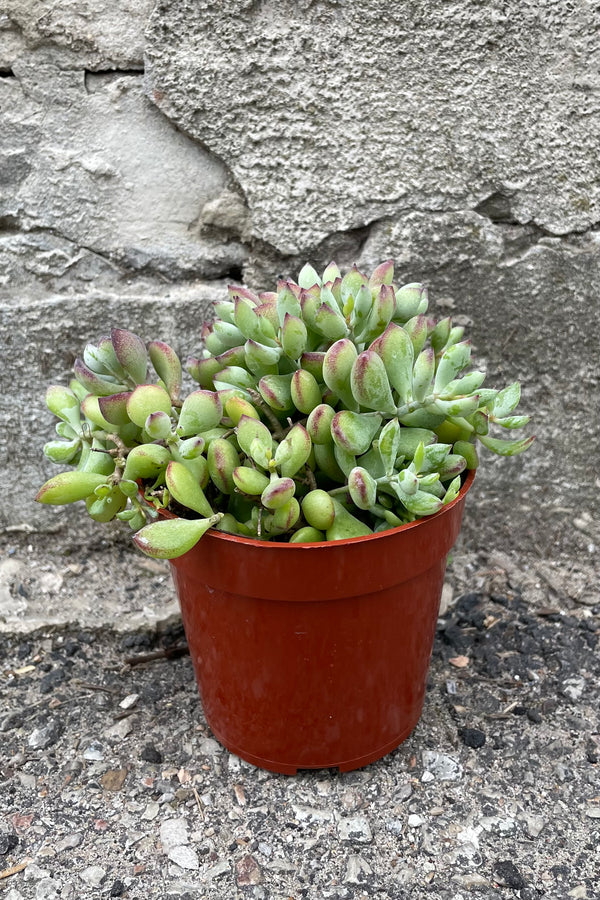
[9, 225]
[95, 79]
[497, 208]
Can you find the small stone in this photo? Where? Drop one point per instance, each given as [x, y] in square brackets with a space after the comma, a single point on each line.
[579, 892]
[472, 737]
[119, 730]
[415, 821]
[403, 793]
[94, 753]
[446, 598]
[8, 842]
[459, 662]
[46, 736]
[593, 812]
[69, 842]
[93, 875]
[151, 754]
[117, 889]
[51, 681]
[356, 828]
[534, 716]
[209, 747]
[471, 881]
[71, 647]
[498, 825]
[535, 825]
[351, 800]
[173, 833]
[310, 814]
[427, 777]
[573, 688]
[357, 870]
[184, 856]
[248, 871]
[219, 869]
[507, 875]
[129, 701]
[113, 779]
[34, 872]
[48, 889]
[280, 864]
[441, 766]
[151, 811]
[469, 836]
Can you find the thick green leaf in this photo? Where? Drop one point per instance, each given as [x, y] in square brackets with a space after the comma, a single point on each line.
[142, 402]
[337, 366]
[396, 350]
[184, 488]
[201, 411]
[293, 451]
[64, 404]
[62, 451]
[422, 503]
[370, 384]
[68, 487]
[167, 366]
[454, 360]
[506, 448]
[308, 277]
[146, 461]
[362, 487]
[506, 400]
[171, 538]
[130, 350]
[389, 442]
[353, 432]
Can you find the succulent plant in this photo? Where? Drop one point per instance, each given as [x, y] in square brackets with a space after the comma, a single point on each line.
[332, 408]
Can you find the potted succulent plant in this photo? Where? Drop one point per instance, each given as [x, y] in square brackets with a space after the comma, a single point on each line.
[307, 494]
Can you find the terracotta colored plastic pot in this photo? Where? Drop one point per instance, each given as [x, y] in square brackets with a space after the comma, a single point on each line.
[315, 655]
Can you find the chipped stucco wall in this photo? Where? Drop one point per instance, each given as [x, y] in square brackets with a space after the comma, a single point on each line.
[151, 152]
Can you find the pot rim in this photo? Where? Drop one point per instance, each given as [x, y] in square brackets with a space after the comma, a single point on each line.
[286, 545]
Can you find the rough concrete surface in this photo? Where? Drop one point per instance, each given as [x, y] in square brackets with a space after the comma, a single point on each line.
[155, 151]
[96, 165]
[112, 784]
[331, 115]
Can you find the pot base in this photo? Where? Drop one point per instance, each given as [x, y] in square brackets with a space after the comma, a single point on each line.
[288, 768]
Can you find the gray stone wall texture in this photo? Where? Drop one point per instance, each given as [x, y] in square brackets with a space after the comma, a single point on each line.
[150, 153]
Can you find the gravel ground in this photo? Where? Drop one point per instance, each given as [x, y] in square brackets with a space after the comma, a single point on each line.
[113, 786]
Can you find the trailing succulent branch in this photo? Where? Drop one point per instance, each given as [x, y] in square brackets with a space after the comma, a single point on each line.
[332, 408]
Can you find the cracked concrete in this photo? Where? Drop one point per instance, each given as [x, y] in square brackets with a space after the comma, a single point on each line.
[101, 169]
[140, 173]
[345, 113]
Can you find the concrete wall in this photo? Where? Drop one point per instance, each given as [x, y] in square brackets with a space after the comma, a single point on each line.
[152, 152]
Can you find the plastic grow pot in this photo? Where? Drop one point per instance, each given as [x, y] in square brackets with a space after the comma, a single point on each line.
[315, 655]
